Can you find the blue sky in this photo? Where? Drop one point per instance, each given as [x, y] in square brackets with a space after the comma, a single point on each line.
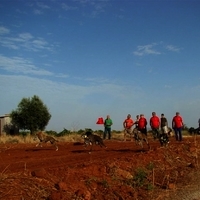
[86, 59]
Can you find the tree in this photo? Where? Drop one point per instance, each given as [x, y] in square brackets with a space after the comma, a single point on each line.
[31, 114]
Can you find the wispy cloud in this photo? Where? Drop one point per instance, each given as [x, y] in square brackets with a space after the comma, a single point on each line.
[25, 36]
[146, 50]
[42, 5]
[4, 30]
[26, 41]
[67, 7]
[37, 12]
[96, 7]
[21, 66]
[73, 92]
[150, 49]
[173, 48]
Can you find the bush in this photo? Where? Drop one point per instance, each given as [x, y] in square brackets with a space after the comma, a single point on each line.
[64, 132]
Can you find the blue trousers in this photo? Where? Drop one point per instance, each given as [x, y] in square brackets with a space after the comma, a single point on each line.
[107, 131]
[178, 134]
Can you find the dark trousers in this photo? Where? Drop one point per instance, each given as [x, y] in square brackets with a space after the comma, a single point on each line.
[178, 133]
[155, 132]
[107, 131]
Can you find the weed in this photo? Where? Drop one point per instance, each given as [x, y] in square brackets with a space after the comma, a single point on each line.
[140, 177]
[150, 166]
[150, 186]
[104, 183]
[89, 181]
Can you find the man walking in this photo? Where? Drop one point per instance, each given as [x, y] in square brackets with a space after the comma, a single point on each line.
[128, 126]
[177, 125]
[155, 124]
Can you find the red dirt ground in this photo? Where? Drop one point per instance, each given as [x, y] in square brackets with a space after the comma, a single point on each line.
[121, 171]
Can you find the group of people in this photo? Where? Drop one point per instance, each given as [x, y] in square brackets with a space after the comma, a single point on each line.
[155, 122]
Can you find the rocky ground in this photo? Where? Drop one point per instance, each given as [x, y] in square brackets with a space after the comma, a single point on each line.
[121, 171]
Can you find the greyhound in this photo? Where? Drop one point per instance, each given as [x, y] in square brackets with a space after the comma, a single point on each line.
[46, 138]
[91, 139]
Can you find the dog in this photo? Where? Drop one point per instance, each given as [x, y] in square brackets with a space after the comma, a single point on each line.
[164, 139]
[128, 131]
[140, 137]
[91, 139]
[46, 138]
[194, 131]
[169, 132]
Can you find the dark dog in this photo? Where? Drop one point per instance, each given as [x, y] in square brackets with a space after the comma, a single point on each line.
[194, 131]
[91, 139]
[164, 139]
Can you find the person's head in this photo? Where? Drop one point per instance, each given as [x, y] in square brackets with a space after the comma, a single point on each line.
[141, 115]
[162, 115]
[177, 113]
[108, 116]
[137, 116]
[128, 116]
[153, 114]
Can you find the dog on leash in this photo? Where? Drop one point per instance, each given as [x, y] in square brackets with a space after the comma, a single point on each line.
[91, 139]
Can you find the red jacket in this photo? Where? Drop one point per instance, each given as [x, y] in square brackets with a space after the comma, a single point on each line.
[128, 123]
[155, 122]
[177, 122]
[142, 123]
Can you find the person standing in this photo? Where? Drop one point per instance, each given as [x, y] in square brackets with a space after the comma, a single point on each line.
[107, 127]
[142, 124]
[128, 126]
[155, 124]
[163, 124]
[177, 125]
[136, 121]
[164, 139]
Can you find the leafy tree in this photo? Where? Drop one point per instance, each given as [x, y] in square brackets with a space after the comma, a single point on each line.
[31, 114]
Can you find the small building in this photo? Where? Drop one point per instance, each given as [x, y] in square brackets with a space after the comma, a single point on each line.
[6, 120]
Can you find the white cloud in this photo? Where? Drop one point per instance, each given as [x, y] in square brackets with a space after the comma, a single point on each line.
[66, 7]
[25, 41]
[146, 50]
[22, 66]
[173, 48]
[43, 6]
[37, 12]
[149, 49]
[26, 36]
[4, 30]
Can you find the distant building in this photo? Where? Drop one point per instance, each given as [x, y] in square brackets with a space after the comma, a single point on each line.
[5, 120]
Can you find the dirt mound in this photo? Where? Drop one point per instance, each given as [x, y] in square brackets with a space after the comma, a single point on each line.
[121, 171]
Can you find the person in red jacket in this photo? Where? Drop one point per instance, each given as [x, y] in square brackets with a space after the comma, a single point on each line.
[128, 126]
[177, 125]
[142, 124]
[155, 124]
